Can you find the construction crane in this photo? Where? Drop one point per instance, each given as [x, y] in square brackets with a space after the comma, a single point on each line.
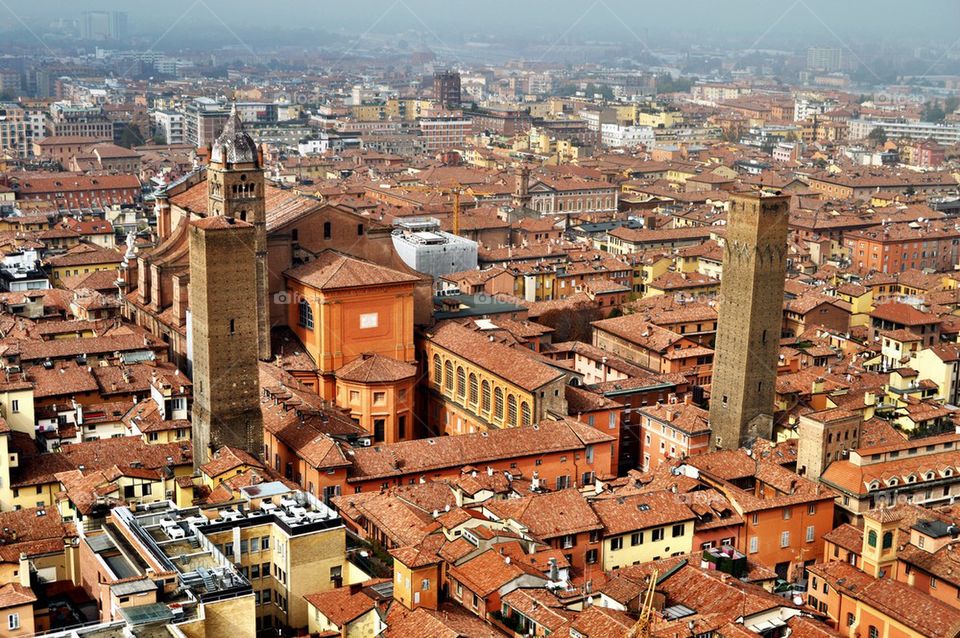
[641, 629]
[455, 191]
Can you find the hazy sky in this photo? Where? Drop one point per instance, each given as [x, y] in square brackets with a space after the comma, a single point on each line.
[820, 21]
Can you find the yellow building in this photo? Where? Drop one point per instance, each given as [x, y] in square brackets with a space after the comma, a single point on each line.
[643, 528]
[349, 612]
[285, 557]
[646, 268]
[940, 364]
[476, 384]
[659, 118]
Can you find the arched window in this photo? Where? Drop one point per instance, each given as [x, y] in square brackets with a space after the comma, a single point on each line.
[473, 389]
[498, 403]
[448, 375]
[524, 413]
[512, 410]
[887, 540]
[872, 538]
[461, 382]
[306, 315]
[437, 370]
[485, 397]
[243, 215]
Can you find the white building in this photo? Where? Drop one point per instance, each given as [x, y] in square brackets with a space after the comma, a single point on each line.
[942, 133]
[617, 136]
[170, 123]
[424, 247]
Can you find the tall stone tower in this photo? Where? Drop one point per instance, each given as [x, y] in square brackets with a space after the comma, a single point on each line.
[751, 314]
[235, 188]
[230, 329]
[226, 388]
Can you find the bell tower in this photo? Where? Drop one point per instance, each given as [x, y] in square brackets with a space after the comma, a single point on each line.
[235, 189]
[879, 551]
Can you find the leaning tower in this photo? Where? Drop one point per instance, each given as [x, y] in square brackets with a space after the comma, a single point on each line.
[751, 315]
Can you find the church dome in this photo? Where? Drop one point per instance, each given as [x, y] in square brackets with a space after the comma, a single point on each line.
[234, 146]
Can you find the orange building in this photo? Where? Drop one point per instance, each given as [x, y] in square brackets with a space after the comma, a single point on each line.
[672, 431]
[784, 515]
[379, 392]
[341, 307]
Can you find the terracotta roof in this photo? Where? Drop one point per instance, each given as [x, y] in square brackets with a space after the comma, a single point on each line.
[921, 612]
[641, 511]
[485, 573]
[342, 605]
[427, 455]
[551, 514]
[15, 594]
[375, 368]
[333, 270]
[510, 364]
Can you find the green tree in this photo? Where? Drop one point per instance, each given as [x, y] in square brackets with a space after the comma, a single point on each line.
[932, 112]
[878, 136]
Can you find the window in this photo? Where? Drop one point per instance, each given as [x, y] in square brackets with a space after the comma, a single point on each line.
[13, 621]
[498, 403]
[678, 530]
[754, 544]
[563, 482]
[473, 389]
[437, 370]
[306, 315]
[568, 541]
[524, 413]
[327, 230]
[812, 509]
[787, 513]
[636, 539]
[379, 398]
[379, 430]
[873, 632]
[887, 540]
[369, 320]
[851, 620]
[933, 582]
[657, 534]
[872, 538]
[785, 539]
[425, 584]
[15, 405]
[265, 542]
[616, 543]
[255, 571]
[359, 230]
[755, 518]
[811, 530]
[461, 382]
[448, 375]
[512, 410]
[591, 556]
[485, 396]
[336, 573]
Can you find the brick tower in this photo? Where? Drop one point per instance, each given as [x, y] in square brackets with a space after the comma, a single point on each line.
[751, 314]
[230, 329]
[223, 284]
[235, 188]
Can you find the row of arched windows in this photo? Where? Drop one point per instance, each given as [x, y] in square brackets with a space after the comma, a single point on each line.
[243, 189]
[475, 394]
